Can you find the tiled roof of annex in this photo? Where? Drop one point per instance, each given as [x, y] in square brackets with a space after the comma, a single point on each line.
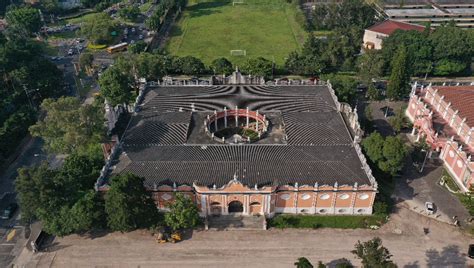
[389, 26]
[461, 98]
[166, 141]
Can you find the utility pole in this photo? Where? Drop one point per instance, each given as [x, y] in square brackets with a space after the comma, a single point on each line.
[27, 92]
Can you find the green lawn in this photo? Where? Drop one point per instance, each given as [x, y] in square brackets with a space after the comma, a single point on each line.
[326, 221]
[210, 29]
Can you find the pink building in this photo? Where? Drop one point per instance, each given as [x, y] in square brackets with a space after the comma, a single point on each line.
[444, 116]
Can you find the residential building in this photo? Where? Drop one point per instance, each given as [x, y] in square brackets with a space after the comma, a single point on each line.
[444, 117]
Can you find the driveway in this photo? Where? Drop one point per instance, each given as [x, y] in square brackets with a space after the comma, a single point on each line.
[417, 188]
[443, 246]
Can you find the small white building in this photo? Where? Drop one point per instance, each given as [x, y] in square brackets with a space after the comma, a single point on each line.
[374, 35]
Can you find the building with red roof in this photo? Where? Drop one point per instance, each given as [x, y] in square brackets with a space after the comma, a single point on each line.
[444, 117]
[374, 35]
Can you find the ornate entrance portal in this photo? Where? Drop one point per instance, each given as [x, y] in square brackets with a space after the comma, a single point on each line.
[236, 207]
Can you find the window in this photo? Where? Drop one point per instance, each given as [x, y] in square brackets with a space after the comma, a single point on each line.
[305, 196]
[344, 196]
[324, 197]
[363, 196]
[285, 196]
[166, 197]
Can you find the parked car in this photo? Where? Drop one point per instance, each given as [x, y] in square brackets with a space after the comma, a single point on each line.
[470, 252]
[430, 208]
[8, 212]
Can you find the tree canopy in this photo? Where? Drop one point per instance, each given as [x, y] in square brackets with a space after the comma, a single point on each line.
[63, 198]
[258, 67]
[387, 154]
[128, 205]
[183, 213]
[98, 28]
[303, 263]
[25, 17]
[22, 86]
[373, 254]
[345, 87]
[399, 82]
[444, 51]
[222, 66]
[68, 125]
[115, 86]
[189, 65]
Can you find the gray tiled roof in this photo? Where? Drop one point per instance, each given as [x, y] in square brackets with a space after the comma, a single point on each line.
[165, 142]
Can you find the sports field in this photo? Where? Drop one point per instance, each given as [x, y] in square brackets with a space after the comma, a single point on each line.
[210, 29]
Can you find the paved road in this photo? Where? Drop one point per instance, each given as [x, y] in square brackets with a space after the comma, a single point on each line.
[443, 246]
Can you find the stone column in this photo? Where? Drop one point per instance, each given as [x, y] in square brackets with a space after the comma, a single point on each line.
[225, 117]
[236, 116]
[215, 120]
[257, 122]
[247, 117]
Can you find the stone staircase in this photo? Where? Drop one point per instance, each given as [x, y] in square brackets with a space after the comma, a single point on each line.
[236, 222]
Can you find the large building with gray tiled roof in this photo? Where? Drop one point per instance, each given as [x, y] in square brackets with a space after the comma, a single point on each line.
[248, 149]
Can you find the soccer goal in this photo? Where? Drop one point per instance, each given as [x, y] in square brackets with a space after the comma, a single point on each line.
[238, 52]
[237, 2]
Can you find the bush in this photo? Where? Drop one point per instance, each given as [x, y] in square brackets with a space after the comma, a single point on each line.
[321, 221]
[380, 208]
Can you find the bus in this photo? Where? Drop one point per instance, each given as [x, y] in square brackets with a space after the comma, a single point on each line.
[117, 48]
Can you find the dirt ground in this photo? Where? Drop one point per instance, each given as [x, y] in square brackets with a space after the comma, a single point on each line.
[444, 246]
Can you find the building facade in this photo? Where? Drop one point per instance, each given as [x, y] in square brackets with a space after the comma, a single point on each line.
[444, 117]
[374, 36]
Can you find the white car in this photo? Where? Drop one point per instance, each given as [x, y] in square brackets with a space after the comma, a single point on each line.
[430, 208]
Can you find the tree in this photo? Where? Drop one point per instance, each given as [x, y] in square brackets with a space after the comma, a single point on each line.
[452, 47]
[258, 67]
[63, 201]
[26, 184]
[373, 93]
[189, 65]
[183, 213]
[25, 17]
[397, 122]
[344, 87]
[394, 152]
[303, 263]
[373, 254]
[68, 125]
[98, 28]
[387, 154]
[115, 86]
[400, 75]
[88, 212]
[222, 66]
[90, 3]
[370, 66]
[138, 47]
[86, 60]
[294, 63]
[128, 205]
[130, 13]
[373, 147]
[419, 50]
